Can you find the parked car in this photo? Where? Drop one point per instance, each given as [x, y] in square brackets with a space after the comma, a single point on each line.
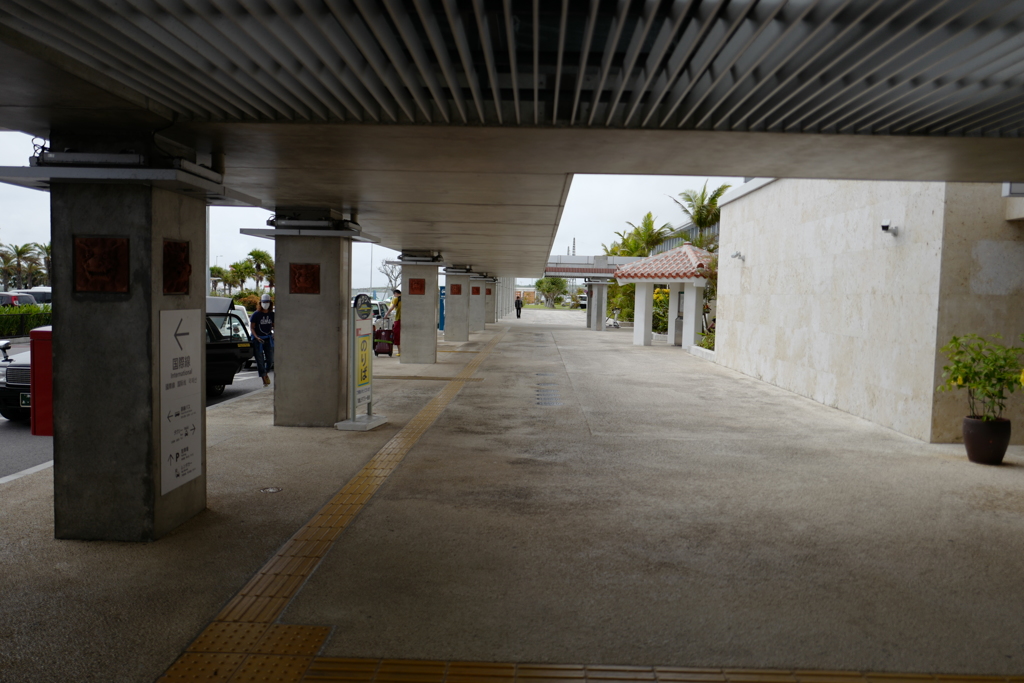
[14, 384]
[228, 346]
[42, 295]
[16, 299]
[583, 300]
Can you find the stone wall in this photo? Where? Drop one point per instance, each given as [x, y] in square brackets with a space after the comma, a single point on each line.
[827, 305]
[981, 290]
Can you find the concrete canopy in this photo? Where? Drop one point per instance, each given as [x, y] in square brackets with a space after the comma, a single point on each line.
[456, 126]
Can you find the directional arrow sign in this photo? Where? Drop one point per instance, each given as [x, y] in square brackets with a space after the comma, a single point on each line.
[178, 333]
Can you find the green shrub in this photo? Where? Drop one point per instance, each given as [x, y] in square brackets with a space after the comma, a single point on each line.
[16, 321]
[708, 341]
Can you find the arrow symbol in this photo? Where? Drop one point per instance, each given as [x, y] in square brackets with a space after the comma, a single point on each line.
[170, 414]
[170, 459]
[179, 334]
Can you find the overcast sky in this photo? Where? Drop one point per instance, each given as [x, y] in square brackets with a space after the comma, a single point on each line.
[597, 207]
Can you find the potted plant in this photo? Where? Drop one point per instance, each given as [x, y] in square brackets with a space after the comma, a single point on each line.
[988, 370]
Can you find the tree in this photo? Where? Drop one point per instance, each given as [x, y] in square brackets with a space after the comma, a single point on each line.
[645, 237]
[552, 288]
[43, 252]
[244, 270]
[231, 280]
[6, 269]
[216, 275]
[21, 255]
[261, 262]
[700, 207]
[393, 273]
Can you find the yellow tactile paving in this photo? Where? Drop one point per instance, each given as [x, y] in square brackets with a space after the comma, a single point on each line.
[271, 669]
[283, 639]
[202, 666]
[244, 627]
[221, 636]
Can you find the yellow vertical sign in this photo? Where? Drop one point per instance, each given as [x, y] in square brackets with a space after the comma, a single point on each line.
[364, 348]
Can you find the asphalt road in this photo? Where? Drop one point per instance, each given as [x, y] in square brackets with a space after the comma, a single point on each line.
[19, 450]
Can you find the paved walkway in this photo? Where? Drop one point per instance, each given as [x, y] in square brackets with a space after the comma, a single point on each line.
[586, 510]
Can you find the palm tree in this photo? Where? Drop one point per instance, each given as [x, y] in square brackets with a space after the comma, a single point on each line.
[700, 207]
[261, 260]
[244, 270]
[22, 255]
[6, 268]
[216, 275]
[43, 252]
[231, 280]
[645, 237]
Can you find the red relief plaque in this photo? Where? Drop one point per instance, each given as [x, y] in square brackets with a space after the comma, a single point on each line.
[417, 286]
[101, 264]
[488, 291]
[476, 291]
[304, 278]
[177, 268]
[456, 290]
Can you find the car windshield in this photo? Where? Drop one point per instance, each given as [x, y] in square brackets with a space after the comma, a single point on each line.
[230, 326]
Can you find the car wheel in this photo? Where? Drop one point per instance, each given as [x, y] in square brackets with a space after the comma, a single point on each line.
[214, 389]
[16, 414]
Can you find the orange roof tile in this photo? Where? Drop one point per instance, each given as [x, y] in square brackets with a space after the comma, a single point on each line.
[681, 263]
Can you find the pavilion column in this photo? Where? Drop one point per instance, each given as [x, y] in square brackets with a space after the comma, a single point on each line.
[693, 310]
[490, 302]
[643, 314]
[311, 330]
[597, 301]
[456, 308]
[477, 308]
[419, 314]
[129, 385]
[673, 311]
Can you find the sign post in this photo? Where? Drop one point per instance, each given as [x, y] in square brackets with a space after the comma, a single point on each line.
[361, 384]
[181, 397]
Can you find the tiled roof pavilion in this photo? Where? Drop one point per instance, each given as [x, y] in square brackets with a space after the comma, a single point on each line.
[681, 264]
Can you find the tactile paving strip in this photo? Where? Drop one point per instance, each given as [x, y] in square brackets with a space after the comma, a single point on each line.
[337, 670]
[242, 645]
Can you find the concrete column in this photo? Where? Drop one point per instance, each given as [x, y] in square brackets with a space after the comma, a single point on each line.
[420, 302]
[477, 307]
[673, 310]
[490, 298]
[111, 479]
[596, 304]
[693, 310]
[311, 330]
[643, 314]
[456, 308]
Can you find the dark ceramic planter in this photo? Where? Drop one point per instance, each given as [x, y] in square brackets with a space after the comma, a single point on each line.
[986, 442]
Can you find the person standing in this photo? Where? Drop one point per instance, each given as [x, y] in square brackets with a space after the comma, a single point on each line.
[396, 306]
[519, 307]
[262, 324]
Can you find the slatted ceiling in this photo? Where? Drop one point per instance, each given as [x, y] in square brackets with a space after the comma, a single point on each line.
[909, 67]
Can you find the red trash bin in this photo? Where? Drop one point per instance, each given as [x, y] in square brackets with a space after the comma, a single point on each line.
[41, 378]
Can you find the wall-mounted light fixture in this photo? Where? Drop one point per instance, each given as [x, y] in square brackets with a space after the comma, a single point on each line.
[888, 228]
[740, 256]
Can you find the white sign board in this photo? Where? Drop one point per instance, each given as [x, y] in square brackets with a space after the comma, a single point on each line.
[182, 344]
[364, 361]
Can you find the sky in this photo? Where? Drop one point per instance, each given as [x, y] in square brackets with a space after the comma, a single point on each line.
[597, 207]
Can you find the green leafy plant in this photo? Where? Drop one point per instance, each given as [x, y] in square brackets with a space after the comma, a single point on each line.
[708, 341]
[16, 321]
[987, 369]
[660, 311]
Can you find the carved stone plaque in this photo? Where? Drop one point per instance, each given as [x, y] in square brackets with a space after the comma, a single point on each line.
[304, 278]
[101, 264]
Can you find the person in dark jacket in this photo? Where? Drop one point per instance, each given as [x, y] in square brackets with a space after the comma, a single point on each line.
[262, 324]
[519, 307]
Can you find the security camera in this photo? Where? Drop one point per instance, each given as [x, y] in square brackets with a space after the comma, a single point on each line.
[888, 228]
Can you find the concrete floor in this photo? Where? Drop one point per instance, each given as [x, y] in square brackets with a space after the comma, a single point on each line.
[587, 502]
